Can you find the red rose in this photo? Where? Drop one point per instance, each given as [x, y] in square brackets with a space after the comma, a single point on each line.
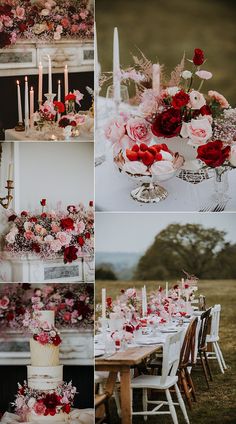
[24, 213]
[213, 153]
[51, 401]
[167, 124]
[70, 254]
[80, 241]
[10, 316]
[205, 110]
[43, 202]
[43, 215]
[91, 203]
[67, 224]
[198, 57]
[87, 235]
[64, 122]
[109, 302]
[73, 123]
[180, 99]
[66, 408]
[56, 340]
[59, 106]
[22, 27]
[70, 97]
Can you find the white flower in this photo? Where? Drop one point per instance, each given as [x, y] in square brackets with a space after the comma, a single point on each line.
[57, 36]
[44, 12]
[232, 157]
[186, 74]
[59, 29]
[197, 100]
[27, 226]
[53, 333]
[205, 75]
[10, 237]
[19, 402]
[198, 131]
[172, 90]
[31, 402]
[36, 117]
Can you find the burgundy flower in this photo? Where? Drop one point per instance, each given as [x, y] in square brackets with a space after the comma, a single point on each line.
[213, 153]
[67, 224]
[12, 218]
[43, 202]
[198, 57]
[56, 340]
[10, 316]
[24, 213]
[70, 254]
[35, 247]
[180, 99]
[205, 110]
[51, 401]
[167, 124]
[64, 122]
[80, 241]
[83, 309]
[66, 408]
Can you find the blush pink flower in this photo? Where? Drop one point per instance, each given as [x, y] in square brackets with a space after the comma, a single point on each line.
[55, 228]
[38, 228]
[65, 23]
[74, 28]
[55, 245]
[198, 131]
[70, 302]
[139, 130]
[115, 130]
[219, 98]
[196, 100]
[39, 408]
[4, 302]
[19, 12]
[83, 14]
[204, 74]
[29, 235]
[80, 226]
[67, 316]
[43, 338]
[64, 238]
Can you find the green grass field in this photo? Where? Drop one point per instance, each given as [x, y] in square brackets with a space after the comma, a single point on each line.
[217, 405]
[163, 30]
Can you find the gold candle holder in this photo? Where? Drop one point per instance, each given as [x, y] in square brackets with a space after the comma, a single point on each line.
[20, 127]
[5, 201]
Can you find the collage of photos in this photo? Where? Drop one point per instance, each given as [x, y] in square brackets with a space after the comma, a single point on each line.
[117, 212]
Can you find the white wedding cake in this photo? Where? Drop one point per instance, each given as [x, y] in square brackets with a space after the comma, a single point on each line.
[45, 398]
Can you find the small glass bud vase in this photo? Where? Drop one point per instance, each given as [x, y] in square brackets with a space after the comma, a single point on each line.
[221, 184]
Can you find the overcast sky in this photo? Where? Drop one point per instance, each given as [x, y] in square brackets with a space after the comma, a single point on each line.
[134, 232]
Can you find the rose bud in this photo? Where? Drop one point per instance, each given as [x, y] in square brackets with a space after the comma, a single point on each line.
[198, 57]
[43, 202]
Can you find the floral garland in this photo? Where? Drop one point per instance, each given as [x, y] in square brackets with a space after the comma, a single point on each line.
[73, 304]
[44, 404]
[49, 234]
[44, 20]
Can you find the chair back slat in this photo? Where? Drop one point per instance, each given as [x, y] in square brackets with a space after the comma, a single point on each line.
[171, 355]
[204, 329]
[187, 353]
[215, 321]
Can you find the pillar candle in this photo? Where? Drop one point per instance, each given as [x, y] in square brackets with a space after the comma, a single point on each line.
[66, 80]
[20, 118]
[156, 78]
[103, 303]
[167, 289]
[40, 88]
[31, 107]
[26, 103]
[49, 75]
[182, 283]
[116, 66]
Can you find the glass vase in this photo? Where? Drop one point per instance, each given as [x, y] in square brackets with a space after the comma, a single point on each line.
[221, 184]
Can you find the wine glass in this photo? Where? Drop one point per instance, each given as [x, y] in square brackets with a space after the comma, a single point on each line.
[113, 105]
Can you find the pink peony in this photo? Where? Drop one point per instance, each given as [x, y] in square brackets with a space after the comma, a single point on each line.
[39, 408]
[43, 338]
[83, 14]
[139, 130]
[115, 130]
[29, 235]
[219, 98]
[55, 245]
[64, 238]
[4, 302]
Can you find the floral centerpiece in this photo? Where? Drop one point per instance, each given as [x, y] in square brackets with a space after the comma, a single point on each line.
[44, 20]
[31, 401]
[49, 234]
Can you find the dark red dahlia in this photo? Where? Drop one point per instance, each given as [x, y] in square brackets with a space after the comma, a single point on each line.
[167, 124]
[80, 240]
[66, 408]
[51, 402]
[64, 122]
[67, 224]
[70, 254]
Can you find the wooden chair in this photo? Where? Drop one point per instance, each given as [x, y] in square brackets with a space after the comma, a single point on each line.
[214, 338]
[102, 414]
[187, 360]
[202, 344]
[167, 380]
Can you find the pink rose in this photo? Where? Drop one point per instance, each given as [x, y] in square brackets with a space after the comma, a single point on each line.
[74, 28]
[204, 75]
[83, 14]
[115, 130]
[4, 302]
[38, 228]
[39, 408]
[29, 235]
[219, 98]
[8, 22]
[69, 302]
[80, 226]
[67, 316]
[196, 100]
[19, 12]
[55, 245]
[65, 22]
[55, 228]
[64, 238]
[139, 130]
[43, 338]
[198, 131]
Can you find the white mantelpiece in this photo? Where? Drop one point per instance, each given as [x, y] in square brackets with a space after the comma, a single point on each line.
[30, 269]
[23, 58]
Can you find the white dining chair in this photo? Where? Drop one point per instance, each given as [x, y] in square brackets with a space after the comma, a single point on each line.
[214, 338]
[167, 380]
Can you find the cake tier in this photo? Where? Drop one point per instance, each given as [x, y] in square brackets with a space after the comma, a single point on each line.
[43, 355]
[58, 418]
[44, 378]
[48, 316]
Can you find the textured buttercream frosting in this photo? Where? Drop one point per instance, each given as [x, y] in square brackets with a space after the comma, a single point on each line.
[43, 355]
[58, 418]
[44, 378]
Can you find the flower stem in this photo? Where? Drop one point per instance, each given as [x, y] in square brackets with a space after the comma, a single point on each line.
[200, 86]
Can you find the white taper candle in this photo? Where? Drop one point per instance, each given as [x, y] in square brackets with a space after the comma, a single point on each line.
[20, 118]
[26, 104]
[40, 88]
[103, 303]
[116, 66]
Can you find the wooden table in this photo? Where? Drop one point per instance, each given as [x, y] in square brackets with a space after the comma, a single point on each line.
[122, 362]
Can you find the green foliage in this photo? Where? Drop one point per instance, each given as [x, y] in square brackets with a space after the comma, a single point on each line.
[191, 247]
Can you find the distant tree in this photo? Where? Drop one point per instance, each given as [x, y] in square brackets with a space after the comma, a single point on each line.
[190, 247]
[105, 273]
[225, 263]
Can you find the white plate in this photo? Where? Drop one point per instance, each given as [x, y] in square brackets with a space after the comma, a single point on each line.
[99, 352]
[169, 331]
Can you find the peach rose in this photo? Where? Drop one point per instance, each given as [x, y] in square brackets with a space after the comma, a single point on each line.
[198, 131]
[219, 98]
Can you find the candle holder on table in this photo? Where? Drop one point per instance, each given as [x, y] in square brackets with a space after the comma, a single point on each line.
[20, 127]
[50, 96]
[5, 201]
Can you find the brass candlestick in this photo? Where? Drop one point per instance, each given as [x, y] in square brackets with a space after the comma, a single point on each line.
[20, 127]
[5, 201]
